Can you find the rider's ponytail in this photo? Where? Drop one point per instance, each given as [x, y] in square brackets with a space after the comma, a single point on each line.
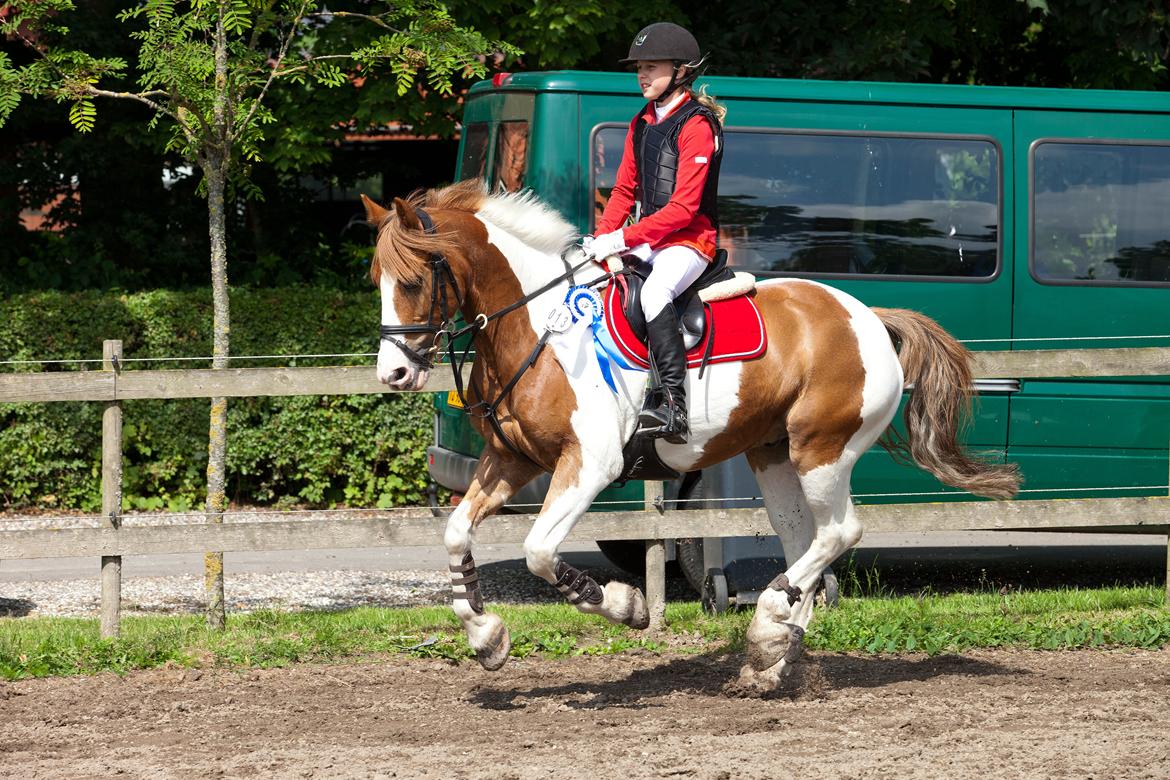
[718, 109]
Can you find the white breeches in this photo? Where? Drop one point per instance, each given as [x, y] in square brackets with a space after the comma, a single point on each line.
[675, 268]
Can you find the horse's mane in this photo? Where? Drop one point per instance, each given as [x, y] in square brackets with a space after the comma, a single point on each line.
[529, 219]
[521, 214]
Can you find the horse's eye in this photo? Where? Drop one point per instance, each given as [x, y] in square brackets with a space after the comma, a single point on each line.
[410, 288]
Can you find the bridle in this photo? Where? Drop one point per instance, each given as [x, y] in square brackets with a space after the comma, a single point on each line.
[441, 277]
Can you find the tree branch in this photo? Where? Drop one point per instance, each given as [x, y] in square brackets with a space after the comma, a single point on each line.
[275, 72]
[368, 17]
[141, 97]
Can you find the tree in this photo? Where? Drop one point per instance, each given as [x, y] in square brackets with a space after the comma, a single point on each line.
[205, 71]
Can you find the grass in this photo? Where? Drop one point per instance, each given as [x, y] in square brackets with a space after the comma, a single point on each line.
[1064, 619]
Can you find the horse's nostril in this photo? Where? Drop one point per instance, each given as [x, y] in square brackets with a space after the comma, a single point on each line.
[397, 375]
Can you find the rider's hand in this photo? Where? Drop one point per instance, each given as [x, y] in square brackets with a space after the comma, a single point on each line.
[607, 244]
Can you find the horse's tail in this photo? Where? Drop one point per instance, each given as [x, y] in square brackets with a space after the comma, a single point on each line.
[939, 367]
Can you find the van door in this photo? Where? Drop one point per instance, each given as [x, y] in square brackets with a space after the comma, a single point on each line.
[1094, 272]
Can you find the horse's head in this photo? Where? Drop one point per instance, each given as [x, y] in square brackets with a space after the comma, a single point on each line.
[415, 265]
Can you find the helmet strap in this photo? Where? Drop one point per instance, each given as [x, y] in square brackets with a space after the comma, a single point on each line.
[668, 93]
[694, 70]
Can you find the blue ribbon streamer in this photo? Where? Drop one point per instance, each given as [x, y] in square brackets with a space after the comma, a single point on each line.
[585, 302]
[602, 357]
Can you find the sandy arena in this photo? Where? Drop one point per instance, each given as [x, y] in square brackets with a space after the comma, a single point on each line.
[983, 714]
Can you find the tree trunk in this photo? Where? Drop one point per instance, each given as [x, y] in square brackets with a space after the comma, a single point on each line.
[216, 167]
[217, 429]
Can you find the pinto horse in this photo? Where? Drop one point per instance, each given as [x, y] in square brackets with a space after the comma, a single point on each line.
[822, 394]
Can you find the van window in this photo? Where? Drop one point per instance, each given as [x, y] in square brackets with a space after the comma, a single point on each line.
[475, 148]
[870, 205]
[511, 161]
[1101, 212]
[608, 144]
[842, 204]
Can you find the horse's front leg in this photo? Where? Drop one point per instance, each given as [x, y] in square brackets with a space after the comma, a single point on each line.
[574, 486]
[497, 478]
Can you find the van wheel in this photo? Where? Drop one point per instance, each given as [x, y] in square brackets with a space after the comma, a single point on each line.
[714, 596]
[690, 560]
[629, 555]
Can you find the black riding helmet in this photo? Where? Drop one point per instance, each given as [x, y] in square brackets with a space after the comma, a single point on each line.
[664, 41]
[668, 41]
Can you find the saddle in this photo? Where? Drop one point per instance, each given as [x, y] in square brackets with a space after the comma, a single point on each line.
[692, 313]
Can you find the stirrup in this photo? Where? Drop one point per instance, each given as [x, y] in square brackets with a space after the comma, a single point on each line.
[674, 429]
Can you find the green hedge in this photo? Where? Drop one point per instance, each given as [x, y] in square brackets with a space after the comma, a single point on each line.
[318, 451]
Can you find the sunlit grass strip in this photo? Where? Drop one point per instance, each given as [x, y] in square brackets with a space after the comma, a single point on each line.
[1123, 617]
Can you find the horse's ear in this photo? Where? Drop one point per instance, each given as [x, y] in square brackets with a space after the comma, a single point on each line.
[407, 215]
[374, 213]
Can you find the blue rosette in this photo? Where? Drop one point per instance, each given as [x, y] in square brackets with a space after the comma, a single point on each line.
[585, 304]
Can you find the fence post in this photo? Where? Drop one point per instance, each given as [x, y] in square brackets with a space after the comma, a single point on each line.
[655, 560]
[111, 496]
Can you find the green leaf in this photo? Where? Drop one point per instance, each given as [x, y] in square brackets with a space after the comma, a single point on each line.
[82, 115]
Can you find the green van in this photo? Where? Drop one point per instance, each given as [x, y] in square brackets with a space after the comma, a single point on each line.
[1018, 218]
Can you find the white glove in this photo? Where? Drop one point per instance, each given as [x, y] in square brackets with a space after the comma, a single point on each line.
[607, 244]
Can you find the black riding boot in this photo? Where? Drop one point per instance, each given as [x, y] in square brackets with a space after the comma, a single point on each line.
[669, 420]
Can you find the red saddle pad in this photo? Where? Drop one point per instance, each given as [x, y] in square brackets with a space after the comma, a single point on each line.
[739, 331]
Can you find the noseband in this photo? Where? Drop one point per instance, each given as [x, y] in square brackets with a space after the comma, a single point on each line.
[441, 276]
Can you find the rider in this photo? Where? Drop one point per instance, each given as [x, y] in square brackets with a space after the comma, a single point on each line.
[667, 184]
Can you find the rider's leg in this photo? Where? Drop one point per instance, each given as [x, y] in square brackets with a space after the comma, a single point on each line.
[675, 268]
[575, 483]
[497, 478]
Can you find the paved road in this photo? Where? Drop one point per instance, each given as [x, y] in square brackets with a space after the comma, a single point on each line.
[904, 561]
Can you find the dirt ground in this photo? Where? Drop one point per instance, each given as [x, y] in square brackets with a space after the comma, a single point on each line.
[986, 714]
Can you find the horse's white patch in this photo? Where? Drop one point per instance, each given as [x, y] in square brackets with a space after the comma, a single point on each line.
[710, 402]
[883, 373]
[391, 358]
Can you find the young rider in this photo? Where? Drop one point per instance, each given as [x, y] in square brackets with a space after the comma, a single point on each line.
[667, 182]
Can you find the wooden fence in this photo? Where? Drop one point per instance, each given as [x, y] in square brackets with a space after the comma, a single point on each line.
[111, 541]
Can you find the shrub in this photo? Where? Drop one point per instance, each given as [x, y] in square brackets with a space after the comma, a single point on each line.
[319, 451]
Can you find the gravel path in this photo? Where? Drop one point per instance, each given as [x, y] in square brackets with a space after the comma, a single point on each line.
[506, 582]
[316, 590]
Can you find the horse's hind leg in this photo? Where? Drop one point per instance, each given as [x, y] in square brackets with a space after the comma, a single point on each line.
[497, 478]
[776, 629]
[574, 486]
[813, 514]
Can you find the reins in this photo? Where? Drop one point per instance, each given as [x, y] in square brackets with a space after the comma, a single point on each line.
[441, 276]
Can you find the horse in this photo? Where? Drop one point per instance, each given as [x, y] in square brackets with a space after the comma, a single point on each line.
[824, 391]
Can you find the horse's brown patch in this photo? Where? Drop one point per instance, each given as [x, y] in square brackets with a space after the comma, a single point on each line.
[536, 414]
[795, 391]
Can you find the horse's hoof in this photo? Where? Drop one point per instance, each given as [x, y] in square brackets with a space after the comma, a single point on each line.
[494, 652]
[753, 684]
[772, 643]
[639, 615]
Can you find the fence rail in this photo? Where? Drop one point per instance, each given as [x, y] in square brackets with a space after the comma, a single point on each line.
[136, 385]
[1139, 515]
[1143, 515]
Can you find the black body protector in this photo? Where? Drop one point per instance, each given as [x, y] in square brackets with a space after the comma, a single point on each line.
[656, 158]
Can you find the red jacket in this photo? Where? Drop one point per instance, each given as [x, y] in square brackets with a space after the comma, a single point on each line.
[679, 221]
